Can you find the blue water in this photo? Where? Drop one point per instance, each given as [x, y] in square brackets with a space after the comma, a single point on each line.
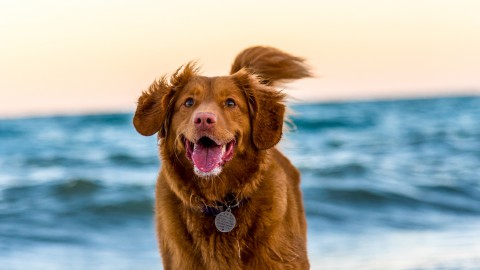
[387, 185]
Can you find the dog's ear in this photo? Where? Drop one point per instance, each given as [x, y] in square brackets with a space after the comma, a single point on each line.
[266, 109]
[152, 109]
[155, 105]
[268, 121]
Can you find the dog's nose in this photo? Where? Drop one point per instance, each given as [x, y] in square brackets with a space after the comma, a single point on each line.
[205, 120]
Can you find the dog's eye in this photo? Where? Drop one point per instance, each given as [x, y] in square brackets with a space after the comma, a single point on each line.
[230, 103]
[189, 102]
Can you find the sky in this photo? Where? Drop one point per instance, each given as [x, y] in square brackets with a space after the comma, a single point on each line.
[69, 57]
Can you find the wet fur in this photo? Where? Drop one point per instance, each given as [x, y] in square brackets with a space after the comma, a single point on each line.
[271, 226]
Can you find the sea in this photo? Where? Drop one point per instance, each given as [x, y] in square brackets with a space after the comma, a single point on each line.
[391, 184]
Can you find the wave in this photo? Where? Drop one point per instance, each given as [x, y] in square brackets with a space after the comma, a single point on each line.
[313, 124]
[131, 160]
[38, 161]
[340, 170]
[87, 201]
[348, 202]
[113, 159]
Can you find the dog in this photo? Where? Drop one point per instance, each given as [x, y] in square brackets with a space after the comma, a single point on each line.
[226, 198]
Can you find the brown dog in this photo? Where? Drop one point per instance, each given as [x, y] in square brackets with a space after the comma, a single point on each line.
[226, 198]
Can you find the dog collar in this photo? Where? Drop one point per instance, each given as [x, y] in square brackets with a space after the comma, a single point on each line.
[225, 220]
[228, 202]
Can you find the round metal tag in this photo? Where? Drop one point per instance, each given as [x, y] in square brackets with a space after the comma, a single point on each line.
[225, 221]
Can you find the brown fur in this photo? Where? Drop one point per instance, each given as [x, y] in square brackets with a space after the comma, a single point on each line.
[271, 227]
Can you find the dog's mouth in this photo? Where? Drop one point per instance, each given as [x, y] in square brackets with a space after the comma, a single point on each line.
[209, 156]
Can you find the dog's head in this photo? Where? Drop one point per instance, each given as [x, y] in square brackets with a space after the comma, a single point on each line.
[211, 124]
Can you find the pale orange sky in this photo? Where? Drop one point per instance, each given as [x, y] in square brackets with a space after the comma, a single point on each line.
[84, 56]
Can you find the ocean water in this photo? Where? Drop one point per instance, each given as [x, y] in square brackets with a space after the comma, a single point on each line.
[386, 185]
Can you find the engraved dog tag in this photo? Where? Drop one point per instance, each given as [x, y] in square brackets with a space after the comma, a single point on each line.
[225, 221]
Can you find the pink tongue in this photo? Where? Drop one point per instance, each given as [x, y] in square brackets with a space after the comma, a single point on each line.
[206, 158]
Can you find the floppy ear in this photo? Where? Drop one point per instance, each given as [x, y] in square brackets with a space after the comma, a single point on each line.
[268, 122]
[154, 105]
[152, 109]
[266, 110]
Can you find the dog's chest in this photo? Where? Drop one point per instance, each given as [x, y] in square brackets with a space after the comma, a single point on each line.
[219, 247]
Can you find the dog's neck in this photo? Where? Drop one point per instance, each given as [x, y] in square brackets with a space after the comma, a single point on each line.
[229, 201]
